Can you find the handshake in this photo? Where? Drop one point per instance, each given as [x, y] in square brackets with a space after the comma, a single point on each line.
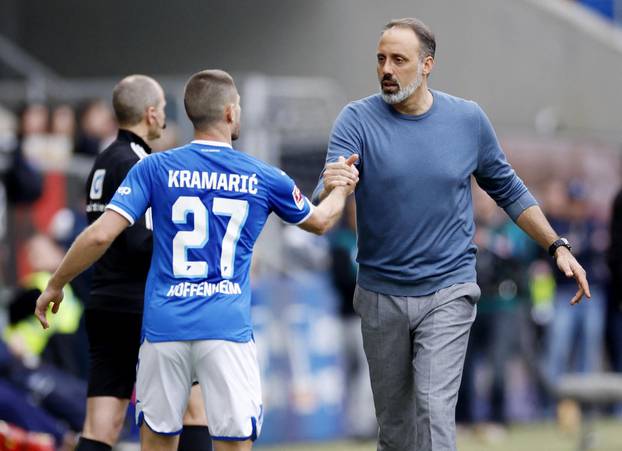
[341, 174]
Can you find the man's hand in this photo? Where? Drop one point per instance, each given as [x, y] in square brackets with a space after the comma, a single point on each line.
[328, 212]
[571, 268]
[50, 295]
[85, 250]
[341, 173]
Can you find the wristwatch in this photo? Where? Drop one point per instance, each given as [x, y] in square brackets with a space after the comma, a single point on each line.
[559, 243]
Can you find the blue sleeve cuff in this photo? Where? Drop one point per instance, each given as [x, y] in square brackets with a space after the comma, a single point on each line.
[525, 201]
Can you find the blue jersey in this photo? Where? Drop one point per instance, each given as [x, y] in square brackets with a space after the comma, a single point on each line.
[209, 203]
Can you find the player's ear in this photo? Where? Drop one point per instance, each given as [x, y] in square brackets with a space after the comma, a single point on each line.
[229, 113]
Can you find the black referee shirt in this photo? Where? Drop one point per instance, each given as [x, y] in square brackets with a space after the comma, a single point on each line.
[119, 276]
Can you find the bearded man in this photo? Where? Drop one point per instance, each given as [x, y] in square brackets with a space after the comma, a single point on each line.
[416, 289]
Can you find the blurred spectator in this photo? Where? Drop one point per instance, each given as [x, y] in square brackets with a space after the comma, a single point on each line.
[33, 132]
[57, 345]
[35, 395]
[62, 134]
[22, 181]
[34, 119]
[63, 122]
[361, 422]
[97, 128]
[577, 327]
[45, 139]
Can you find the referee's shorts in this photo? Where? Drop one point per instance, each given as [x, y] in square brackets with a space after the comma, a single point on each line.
[114, 341]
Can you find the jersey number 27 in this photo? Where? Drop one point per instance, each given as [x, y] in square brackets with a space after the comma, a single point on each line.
[236, 209]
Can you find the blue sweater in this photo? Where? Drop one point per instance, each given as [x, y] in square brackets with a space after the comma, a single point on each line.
[414, 204]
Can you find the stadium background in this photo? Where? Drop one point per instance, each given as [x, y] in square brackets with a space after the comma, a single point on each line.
[547, 72]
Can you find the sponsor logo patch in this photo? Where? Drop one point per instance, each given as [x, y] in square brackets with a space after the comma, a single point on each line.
[97, 185]
[124, 190]
[298, 198]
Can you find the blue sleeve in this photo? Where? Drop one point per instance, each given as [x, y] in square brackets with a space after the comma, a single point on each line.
[345, 140]
[133, 196]
[286, 200]
[495, 175]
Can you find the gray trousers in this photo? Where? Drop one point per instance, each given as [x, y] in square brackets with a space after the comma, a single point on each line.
[415, 347]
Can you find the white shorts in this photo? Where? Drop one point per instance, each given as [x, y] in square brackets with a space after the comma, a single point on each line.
[229, 377]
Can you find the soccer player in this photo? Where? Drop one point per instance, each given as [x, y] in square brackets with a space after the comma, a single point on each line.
[118, 283]
[209, 203]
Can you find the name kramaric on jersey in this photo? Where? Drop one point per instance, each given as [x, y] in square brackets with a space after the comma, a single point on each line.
[213, 180]
[188, 289]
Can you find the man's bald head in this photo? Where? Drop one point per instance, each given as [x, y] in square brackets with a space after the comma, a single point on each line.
[206, 96]
[133, 95]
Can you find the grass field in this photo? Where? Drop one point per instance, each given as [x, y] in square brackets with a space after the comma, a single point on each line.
[533, 437]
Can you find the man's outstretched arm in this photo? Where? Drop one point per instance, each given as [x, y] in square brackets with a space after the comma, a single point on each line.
[90, 245]
[328, 212]
[535, 224]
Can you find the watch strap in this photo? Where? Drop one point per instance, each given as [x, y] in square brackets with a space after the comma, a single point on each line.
[557, 244]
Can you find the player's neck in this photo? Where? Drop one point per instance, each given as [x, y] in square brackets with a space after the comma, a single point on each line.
[213, 135]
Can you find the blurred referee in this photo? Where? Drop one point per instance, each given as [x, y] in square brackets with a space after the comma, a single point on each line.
[114, 313]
